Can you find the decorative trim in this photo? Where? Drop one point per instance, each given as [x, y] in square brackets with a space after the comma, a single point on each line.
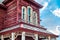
[31, 13]
[35, 29]
[11, 28]
[23, 7]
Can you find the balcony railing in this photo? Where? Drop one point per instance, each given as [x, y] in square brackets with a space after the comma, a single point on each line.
[11, 21]
[26, 21]
[35, 28]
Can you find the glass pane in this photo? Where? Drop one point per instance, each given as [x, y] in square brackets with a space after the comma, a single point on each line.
[23, 12]
[29, 13]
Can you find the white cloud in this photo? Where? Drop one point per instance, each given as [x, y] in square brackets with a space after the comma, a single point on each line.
[49, 0]
[44, 3]
[44, 6]
[56, 12]
[56, 31]
[40, 1]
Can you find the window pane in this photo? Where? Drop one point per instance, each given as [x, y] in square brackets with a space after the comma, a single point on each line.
[23, 12]
[29, 13]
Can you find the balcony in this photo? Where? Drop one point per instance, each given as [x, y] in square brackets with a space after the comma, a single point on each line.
[26, 26]
[34, 28]
[13, 21]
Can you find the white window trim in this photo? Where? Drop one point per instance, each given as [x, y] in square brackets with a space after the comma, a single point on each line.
[11, 28]
[36, 18]
[30, 13]
[24, 13]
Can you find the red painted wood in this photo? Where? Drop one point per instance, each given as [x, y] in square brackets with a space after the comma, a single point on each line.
[15, 14]
[9, 16]
[29, 31]
[2, 15]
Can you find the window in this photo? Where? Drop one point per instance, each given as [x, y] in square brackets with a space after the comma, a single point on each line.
[29, 10]
[35, 18]
[29, 13]
[23, 12]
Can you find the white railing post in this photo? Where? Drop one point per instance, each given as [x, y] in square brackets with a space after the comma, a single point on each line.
[2, 38]
[12, 36]
[23, 36]
[36, 36]
[49, 38]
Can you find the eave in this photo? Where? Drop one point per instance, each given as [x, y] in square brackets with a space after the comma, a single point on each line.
[27, 30]
[35, 3]
[3, 7]
[6, 1]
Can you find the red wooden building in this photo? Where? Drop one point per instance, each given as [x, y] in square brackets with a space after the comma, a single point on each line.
[19, 20]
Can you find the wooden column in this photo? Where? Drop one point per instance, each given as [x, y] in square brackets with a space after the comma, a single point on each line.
[2, 38]
[23, 36]
[55, 39]
[12, 36]
[36, 36]
[49, 38]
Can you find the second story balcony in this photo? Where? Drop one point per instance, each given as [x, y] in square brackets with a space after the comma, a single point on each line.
[13, 21]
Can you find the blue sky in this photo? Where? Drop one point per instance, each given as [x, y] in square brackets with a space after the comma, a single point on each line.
[50, 15]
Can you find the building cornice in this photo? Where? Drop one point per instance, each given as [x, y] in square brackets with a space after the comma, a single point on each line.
[6, 1]
[34, 25]
[18, 28]
[34, 3]
[3, 7]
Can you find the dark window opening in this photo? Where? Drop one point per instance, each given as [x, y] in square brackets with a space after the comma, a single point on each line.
[6, 38]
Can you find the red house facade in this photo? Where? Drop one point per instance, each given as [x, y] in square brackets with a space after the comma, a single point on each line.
[19, 20]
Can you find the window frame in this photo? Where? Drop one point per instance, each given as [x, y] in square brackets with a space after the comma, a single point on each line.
[23, 13]
[29, 14]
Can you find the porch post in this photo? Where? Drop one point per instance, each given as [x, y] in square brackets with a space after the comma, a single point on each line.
[36, 36]
[12, 36]
[55, 38]
[23, 36]
[2, 38]
[49, 38]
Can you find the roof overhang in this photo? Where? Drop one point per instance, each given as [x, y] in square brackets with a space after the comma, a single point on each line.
[29, 28]
[3, 7]
[6, 1]
[35, 3]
